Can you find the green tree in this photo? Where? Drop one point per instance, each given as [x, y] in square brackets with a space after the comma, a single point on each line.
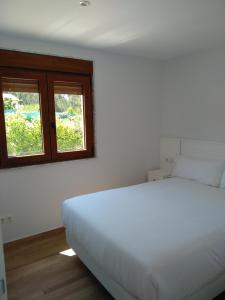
[24, 136]
[68, 138]
[27, 97]
[9, 104]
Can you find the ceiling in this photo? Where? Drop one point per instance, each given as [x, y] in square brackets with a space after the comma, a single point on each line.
[148, 28]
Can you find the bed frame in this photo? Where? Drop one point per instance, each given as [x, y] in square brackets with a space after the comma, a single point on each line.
[169, 149]
[119, 293]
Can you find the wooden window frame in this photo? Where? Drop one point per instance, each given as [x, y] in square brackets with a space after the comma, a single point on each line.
[47, 69]
[7, 161]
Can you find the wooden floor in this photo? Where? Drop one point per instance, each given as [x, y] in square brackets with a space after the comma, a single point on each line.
[37, 270]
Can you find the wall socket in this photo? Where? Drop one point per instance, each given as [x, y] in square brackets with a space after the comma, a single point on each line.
[6, 219]
[170, 160]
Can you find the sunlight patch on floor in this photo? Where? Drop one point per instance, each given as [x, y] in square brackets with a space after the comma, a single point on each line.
[68, 252]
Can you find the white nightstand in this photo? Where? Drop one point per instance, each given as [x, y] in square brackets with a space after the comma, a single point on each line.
[3, 295]
[158, 174]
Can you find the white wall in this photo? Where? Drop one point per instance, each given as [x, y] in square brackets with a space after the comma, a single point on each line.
[127, 129]
[193, 96]
[2, 268]
[133, 98]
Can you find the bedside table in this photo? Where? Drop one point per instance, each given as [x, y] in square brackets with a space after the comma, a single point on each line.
[158, 174]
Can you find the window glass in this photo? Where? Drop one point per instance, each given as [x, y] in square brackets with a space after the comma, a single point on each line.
[69, 114]
[22, 113]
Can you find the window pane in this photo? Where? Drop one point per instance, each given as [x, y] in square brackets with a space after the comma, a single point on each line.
[69, 116]
[22, 117]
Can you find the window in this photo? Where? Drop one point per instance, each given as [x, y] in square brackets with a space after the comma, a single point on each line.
[46, 109]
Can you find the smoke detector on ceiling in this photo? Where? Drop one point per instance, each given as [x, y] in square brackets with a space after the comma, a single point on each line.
[85, 3]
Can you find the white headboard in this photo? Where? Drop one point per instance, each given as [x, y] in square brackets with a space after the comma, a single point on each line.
[171, 147]
[202, 149]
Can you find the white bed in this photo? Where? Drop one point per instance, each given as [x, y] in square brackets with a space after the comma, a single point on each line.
[161, 240]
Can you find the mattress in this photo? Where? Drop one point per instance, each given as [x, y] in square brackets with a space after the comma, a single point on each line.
[161, 240]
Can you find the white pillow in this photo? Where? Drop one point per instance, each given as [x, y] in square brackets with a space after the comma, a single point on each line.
[202, 170]
[222, 182]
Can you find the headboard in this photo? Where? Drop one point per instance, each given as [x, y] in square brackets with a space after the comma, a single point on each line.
[202, 149]
[171, 147]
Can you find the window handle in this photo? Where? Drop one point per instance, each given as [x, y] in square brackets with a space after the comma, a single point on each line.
[53, 125]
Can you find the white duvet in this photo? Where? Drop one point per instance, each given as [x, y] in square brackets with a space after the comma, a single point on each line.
[161, 240]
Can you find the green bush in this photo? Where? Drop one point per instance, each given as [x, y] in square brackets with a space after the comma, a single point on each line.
[68, 138]
[24, 137]
[29, 107]
[9, 104]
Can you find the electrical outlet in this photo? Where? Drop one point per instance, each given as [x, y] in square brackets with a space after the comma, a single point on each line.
[6, 219]
[169, 160]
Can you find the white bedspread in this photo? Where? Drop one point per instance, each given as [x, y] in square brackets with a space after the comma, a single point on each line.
[161, 240]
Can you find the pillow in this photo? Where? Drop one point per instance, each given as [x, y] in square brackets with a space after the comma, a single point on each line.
[202, 170]
[222, 182]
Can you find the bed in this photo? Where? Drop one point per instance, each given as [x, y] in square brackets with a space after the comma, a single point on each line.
[161, 240]
[157, 240]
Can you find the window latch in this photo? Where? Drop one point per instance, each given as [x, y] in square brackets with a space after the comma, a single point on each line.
[53, 125]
